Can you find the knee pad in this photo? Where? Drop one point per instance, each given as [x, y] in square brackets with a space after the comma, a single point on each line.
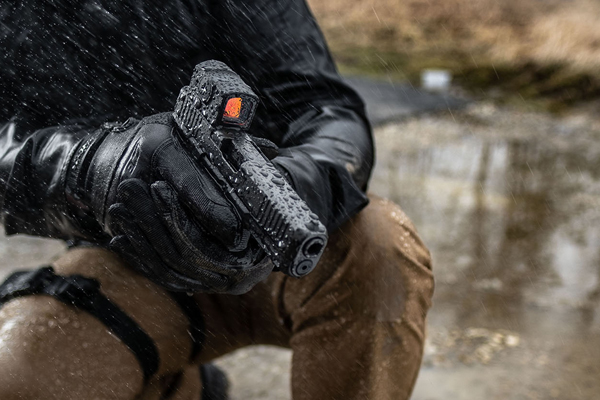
[84, 293]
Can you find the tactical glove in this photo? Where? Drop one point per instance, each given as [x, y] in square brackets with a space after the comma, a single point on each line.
[164, 242]
[74, 176]
[143, 150]
[181, 232]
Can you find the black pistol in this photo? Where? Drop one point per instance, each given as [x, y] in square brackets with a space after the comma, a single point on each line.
[213, 114]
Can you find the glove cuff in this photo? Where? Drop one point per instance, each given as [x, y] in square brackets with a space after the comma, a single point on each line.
[76, 190]
[118, 151]
[35, 201]
[93, 158]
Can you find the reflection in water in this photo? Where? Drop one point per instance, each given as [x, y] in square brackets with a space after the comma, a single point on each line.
[513, 227]
[497, 216]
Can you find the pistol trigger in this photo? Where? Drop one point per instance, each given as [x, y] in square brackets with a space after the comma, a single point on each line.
[241, 242]
[268, 148]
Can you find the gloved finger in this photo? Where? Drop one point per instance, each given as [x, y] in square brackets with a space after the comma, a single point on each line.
[136, 244]
[179, 223]
[117, 213]
[198, 192]
[150, 230]
[269, 149]
[135, 195]
[205, 199]
[242, 270]
[182, 226]
[121, 245]
[153, 269]
[192, 243]
[145, 220]
[221, 270]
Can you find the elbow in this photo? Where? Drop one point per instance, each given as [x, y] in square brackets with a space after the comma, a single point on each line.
[361, 163]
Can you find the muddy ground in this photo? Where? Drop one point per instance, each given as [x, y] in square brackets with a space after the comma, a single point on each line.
[509, 203]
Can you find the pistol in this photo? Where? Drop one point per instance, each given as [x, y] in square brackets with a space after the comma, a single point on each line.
[213, 114]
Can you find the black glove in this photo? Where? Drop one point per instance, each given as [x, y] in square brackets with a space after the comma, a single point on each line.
[164, 242]
[62, 182]
[182, 233]
[147, 150]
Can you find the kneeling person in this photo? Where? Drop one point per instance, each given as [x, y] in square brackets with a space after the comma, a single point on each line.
[151, 223]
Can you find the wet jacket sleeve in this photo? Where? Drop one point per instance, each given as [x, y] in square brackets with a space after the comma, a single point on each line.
[306, 109]
[32, 196]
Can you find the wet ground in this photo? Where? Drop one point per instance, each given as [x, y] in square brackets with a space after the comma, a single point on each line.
[509, 203]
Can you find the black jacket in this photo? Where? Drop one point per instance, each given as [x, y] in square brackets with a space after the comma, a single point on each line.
[80, 63]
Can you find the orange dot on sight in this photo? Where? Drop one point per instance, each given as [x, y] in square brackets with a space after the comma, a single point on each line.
[233, 108]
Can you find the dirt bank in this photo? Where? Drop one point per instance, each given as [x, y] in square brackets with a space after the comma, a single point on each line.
[544, 50]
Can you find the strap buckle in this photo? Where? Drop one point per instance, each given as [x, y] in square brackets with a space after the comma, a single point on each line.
[84, 293]
[75, 289]
[24, 283]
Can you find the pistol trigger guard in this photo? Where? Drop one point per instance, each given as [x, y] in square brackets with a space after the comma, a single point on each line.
[268, 148]
[241, 242]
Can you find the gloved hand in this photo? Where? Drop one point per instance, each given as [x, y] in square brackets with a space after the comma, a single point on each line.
[182, 232]
[167, 216]
[166, 244]
[147, 150]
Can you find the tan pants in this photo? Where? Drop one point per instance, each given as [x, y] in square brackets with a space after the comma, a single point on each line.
[356, 324]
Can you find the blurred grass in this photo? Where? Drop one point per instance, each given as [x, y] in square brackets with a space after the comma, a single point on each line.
[545, 50]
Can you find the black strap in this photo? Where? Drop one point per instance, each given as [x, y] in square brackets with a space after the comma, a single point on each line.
[84, 293]
[190, 308]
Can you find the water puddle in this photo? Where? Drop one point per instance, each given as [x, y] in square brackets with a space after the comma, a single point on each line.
[513, 223]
